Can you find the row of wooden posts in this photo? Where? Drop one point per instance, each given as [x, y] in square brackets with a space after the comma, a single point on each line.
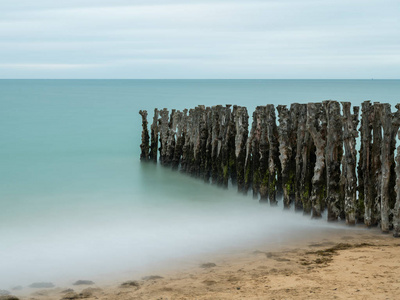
[309, 158]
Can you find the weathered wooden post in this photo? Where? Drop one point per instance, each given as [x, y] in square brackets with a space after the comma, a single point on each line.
[216, 144]
[286, 159]
[255, 153]
[198, 140]
[376, 162]
[350, 134]
[197, 143]
[294, 117]
[316, 125]
[390, 125]
[179, 139]
[248, 164]
[274, 167]
[154, 137]
[225, 137]
[186, 153]
[304, 164]
[208, 146]
[231, 136]
[164, 129]
[191, 161]
[333, 157]
[144, 146]
[294, 111]
[396, 210]
[366, 162]
[203, 136]
[241, 119]
[360, 207]
[169, 154]
[263, 169]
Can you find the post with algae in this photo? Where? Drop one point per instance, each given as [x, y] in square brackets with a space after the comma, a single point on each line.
[390, 126]
[154, 136]
[333, 158]
[309, 159]
[144, 146]
[286, 154]
[317, 126]
[350, 133]
[241, 122]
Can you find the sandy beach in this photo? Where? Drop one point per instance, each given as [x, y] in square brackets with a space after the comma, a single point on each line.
[355, 264]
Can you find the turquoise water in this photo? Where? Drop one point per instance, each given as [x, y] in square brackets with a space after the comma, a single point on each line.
[75, 201]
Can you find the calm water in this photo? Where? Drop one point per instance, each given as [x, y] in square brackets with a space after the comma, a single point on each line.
[75, 201]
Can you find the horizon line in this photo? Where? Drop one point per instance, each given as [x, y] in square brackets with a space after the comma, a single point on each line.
[200, 79]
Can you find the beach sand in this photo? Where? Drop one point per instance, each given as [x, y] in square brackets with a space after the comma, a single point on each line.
[351, 264]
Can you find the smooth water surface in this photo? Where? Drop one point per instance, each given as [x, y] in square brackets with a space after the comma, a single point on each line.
[76, 202]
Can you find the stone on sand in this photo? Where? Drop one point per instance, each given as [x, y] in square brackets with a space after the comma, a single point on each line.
[83, 282]
[130, 283]
[152, 277]
[208, 265]
[70, 295]
[42, 285]
[8, 297]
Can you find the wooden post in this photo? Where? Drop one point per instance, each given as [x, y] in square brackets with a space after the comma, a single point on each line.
[241, 119]
[179, 138]
[154, 137]
[171, 139]
[208, 146]
[304, 163]
[274, 167]
[333, 157]
[144, 146]
[316, 125]
[248, 164]
[350, 134]
[264, 148]
[225, 138]
[163, 125]
[286, 150]
[396, 210]
[199, 141]
[255, 153]
[216, 144]
[366, 162]
[390, 125]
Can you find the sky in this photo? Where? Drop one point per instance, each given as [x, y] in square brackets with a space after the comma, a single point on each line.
[271, 39]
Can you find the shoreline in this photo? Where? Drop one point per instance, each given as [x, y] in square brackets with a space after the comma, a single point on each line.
[338, 263]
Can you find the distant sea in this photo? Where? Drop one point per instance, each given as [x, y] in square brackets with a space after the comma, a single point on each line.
[76, 203]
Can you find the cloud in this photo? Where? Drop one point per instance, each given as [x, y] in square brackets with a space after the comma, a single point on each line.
[48, 66]
[207, 39]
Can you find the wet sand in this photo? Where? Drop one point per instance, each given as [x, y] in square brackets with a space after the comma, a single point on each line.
[344, 264]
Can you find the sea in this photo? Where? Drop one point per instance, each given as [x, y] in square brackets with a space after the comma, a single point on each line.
[77, 203]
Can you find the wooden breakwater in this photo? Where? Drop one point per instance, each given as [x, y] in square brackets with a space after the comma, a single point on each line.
[308, 158]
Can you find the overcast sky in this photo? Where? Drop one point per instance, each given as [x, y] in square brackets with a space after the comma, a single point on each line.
[200, 39]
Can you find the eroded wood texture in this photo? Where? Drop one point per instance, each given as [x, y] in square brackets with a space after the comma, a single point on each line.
[144, 146]
[317, 126]
[350, 133]
[286, 152]
[241, 121]
[154, 136]
[333, 158]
